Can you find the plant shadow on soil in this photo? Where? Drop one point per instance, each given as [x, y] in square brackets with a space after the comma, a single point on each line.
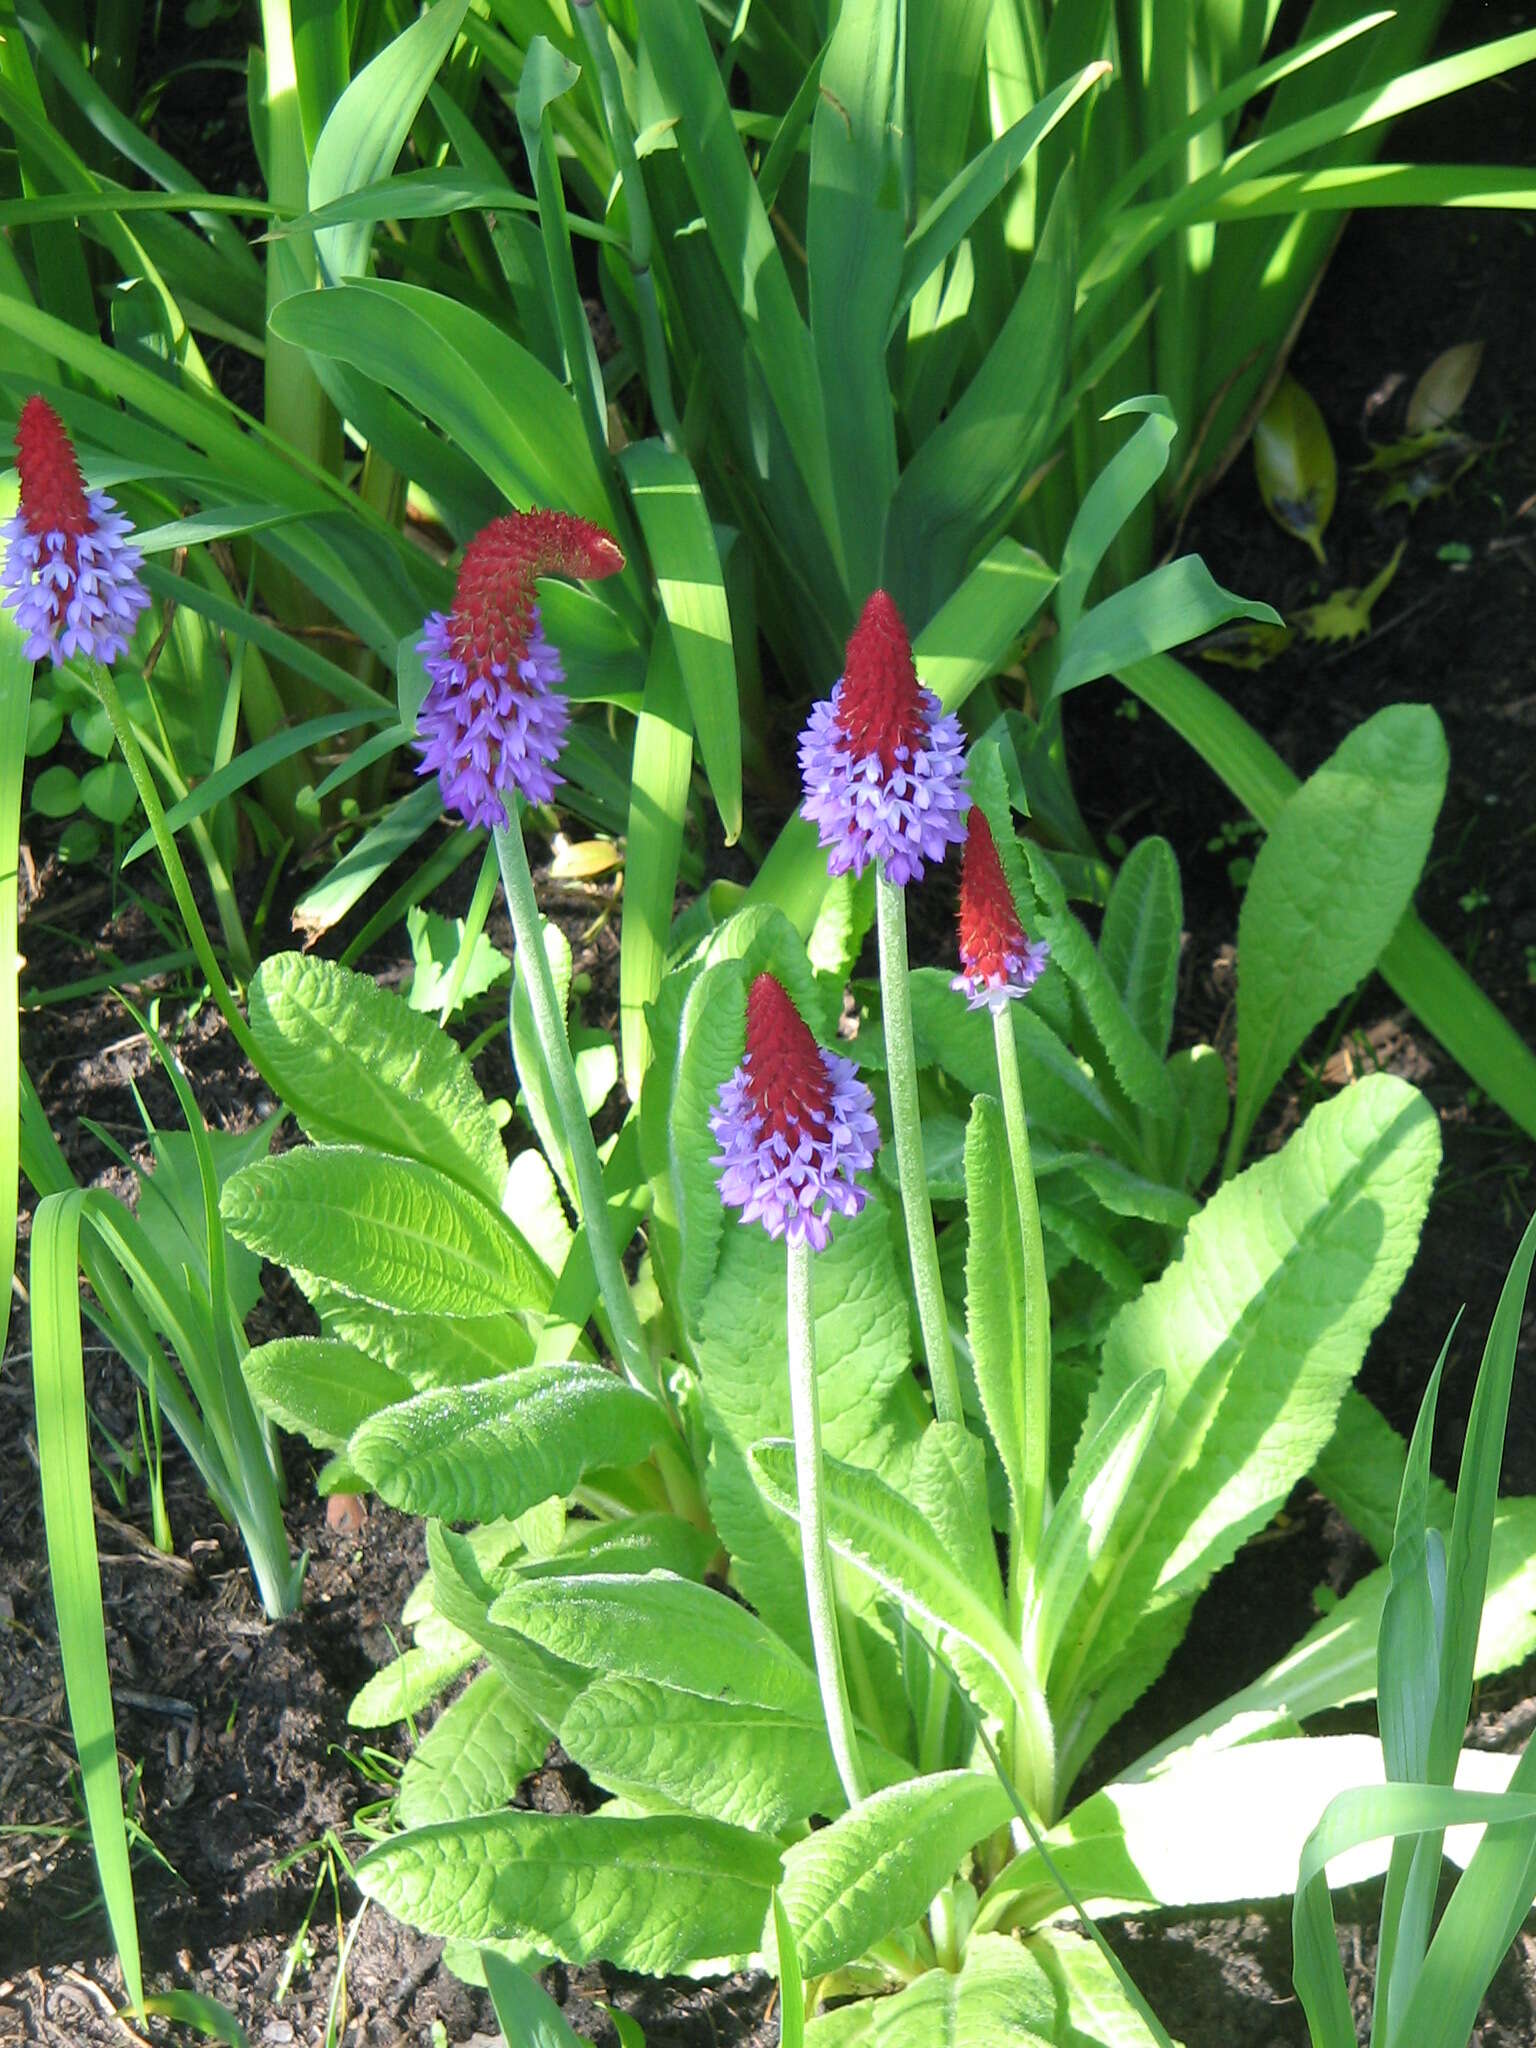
[240, 1725]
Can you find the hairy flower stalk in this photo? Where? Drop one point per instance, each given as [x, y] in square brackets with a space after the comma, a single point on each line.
[998, 966]
[491, 728]
[71, 577]
[71, 572]
[795, 1124]
[884, 781]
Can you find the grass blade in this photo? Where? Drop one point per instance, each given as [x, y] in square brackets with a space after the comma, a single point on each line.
[58, 1378]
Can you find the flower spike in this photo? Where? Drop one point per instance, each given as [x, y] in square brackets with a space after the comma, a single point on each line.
[71, 573]
[882, 761]
[795, 1124]
[999, 962]
[494, 720]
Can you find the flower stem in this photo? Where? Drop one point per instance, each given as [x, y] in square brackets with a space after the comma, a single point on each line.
[171, 861]
[906, 1121]
[805, 1408]
[1037, 1303]
[517, 880]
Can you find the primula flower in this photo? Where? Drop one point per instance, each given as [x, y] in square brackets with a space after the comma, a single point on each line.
[881, 760]
[795, 1124]
[999, 961]
[71, 572]
[494, 720]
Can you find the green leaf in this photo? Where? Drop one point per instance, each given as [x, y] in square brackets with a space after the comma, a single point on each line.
[1169, 605]
[949, 1485]
[873, 1527]
[525, 2012]
[855, 229]
[1139, 939]
[1170, 1840]
[471, 1453]
[757, 1766]
[415, 1678]
[637, 1543]
[391, 1231]
[681, 540]
[473, 1757]
[358, 1066]
[1005, 1995]
[791, 1981]
[1083, 1518]
[655, 1895]
[876, 1868]
[1110, 499]
[1294, 462]
[320, 1388]
[491, 398]
[663, 1628]
[57, 793]
[1258, 1327]
[961, 485]
[368, 126]
[108, 793]
[692, 95]
[980, 180]
[1330, 883]
[426, 1350]
[461, 1595]
[660, 772]
[863, 1342]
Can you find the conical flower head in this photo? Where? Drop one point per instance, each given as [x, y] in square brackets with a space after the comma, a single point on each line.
[71, 573]
[493, 719]
[882, 762]
[998, 960]
[795, 1124]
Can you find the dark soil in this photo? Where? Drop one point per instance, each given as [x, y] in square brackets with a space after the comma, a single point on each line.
[239, 1725]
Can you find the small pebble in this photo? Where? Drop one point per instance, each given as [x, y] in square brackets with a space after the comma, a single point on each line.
[277, 2032]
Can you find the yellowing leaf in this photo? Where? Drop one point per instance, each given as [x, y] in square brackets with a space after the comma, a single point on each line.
[1347, 614]
[1422, 467]
[1249, 645]
[1294, 461]
[582, 859]
[1442, 390]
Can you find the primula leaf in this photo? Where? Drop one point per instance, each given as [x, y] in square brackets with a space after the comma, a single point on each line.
[473, 1757]
[655, 1895]
[426, 1350]
[877, 1867]
[1139, 939]
[1330, 883]
[634, 1544]
[726, 1758]
[357, 1066]
[870, 1406]
[320, 1388]
[873, 1527]
[949, 1485]
[541, 1685]
[391, 1231]
[1170, 1840]
[502, 1446]
[1258, 1327]
[1006, 1994]
[410, 1683]
[660, 1627]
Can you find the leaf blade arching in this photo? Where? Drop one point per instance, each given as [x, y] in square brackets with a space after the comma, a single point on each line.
[1256, 1357]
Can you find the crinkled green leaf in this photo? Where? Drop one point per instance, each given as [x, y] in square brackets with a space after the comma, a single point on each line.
[1139, 939]
[653, 1894]
[501, 1446]
[878, 1866]
[357, 1066]
[473, 1757]
[319, 1387]
[391, 1231]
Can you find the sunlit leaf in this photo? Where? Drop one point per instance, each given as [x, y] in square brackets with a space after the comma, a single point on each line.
[1442, 390]
[1347, 614]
